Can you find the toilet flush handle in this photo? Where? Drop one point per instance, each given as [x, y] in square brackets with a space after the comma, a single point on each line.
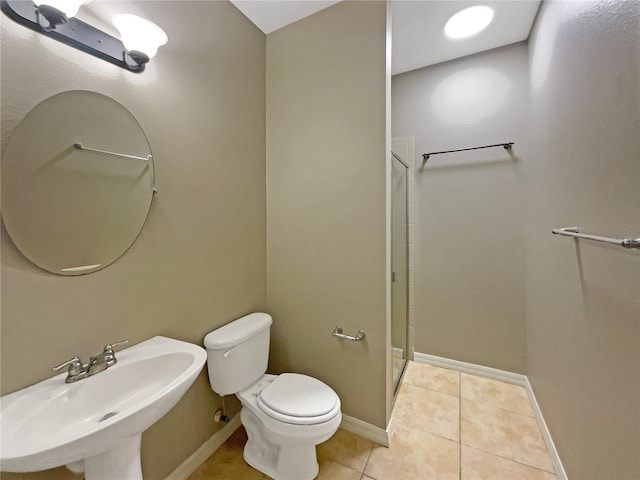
[229, 352]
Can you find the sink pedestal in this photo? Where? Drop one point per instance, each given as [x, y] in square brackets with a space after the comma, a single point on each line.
[121, 462]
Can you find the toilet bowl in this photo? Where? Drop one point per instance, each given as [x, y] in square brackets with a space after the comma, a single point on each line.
[285, 415]
[284, 433]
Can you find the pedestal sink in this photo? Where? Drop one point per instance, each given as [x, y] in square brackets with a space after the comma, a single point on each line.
[97, 421]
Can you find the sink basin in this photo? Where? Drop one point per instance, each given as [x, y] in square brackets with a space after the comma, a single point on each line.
[96, 423]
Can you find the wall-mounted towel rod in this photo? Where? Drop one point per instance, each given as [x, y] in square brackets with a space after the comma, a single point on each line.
[337, 332]
[79, 146]
[506, 146]
[573, 232]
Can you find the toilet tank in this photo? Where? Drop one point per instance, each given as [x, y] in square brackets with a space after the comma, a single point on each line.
[238, 352]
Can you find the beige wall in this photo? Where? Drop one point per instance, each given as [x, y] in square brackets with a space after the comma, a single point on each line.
[469, 251]
[583, 298]
[200, 260]
[327, 156]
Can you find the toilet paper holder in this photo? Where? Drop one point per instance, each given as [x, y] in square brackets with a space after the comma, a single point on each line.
[337, 332]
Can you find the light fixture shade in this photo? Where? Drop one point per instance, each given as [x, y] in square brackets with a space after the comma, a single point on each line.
[139, 34]
[469, 21]
[68, 7]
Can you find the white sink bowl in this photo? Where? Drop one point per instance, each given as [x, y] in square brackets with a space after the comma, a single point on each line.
[99, 419]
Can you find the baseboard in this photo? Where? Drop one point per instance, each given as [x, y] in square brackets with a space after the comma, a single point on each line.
[507, 377]
[398, 352]
[555, 458]
[472, 368]
[366, 430]
[198, 457]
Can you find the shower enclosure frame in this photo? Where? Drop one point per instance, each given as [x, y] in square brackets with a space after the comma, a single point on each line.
[397, 377]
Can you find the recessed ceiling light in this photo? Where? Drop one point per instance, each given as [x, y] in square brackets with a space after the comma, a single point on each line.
[468, 22]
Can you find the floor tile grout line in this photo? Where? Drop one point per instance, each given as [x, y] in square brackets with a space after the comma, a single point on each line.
[367, 462]
[335, 460]
[418, 427]
[493, 406]
[509, 459]
[423, 430]
[368, 457]
[349, 466]
[432, 390]
[526, 398]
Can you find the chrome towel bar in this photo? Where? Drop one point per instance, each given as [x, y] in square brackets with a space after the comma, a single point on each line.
[574, 232]
[337, 332]
[79, 146]
[505, 145]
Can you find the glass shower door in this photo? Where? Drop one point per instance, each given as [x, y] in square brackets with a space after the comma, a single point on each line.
[399, 266]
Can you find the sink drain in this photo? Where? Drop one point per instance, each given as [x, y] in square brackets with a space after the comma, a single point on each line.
[107, 415]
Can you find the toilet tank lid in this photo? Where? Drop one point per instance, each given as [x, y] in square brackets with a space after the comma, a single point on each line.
[237, 331]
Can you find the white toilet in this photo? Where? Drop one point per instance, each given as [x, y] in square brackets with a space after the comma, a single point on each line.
[285, 415]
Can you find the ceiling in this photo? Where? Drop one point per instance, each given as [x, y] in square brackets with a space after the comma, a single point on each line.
[271, 15]
[418, 35]
[418, 30]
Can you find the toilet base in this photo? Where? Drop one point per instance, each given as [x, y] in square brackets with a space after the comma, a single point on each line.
[294, 461]
[284, 467]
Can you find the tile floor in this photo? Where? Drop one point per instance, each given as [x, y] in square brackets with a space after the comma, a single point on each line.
[446, 425]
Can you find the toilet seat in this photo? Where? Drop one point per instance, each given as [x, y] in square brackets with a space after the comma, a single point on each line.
[299, 400]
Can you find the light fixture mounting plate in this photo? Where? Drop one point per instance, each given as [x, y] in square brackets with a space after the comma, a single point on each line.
[74, 33]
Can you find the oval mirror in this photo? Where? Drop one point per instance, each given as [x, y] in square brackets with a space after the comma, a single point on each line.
[77, 182]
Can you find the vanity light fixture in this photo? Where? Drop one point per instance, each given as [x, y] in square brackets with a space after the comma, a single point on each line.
[468, 22]
[54, 19]
[140, 37]
[57, 12]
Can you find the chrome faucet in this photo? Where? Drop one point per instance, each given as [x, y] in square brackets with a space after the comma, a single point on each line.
[78, 371]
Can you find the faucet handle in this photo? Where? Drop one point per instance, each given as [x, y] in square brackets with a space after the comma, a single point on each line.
[75, 366]
[109, 355]
[109, 347]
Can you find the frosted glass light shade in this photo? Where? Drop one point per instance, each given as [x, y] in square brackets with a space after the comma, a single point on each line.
[468, 22]
[139, 34]
[68, 7]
